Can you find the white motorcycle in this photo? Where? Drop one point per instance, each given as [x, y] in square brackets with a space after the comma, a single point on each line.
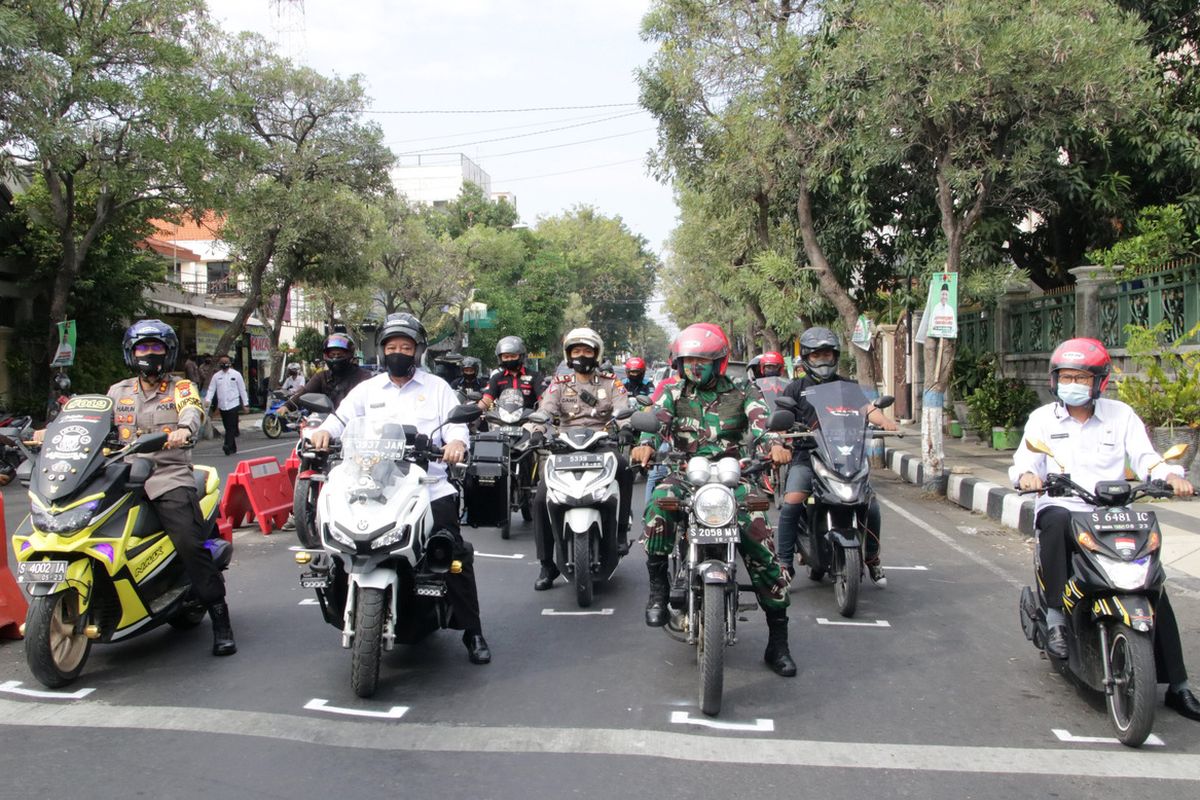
[380, 572]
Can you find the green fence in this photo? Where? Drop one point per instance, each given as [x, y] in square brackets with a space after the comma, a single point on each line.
[1038, 325]
[1172, 295]
[975, 331]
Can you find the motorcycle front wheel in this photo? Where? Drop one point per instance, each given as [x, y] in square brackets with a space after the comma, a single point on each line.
[1131, 703]
[54, 650]
[847, 573]
[368, 641]
[304, 512]
[272, 426]
[583, 569]
[711, 643]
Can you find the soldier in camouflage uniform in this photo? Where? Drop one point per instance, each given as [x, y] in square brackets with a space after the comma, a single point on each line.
[706, 414]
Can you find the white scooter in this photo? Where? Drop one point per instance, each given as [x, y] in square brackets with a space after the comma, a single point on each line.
[380, 571]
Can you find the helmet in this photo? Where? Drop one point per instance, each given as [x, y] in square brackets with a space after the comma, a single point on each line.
[815, 339]
[150, 329]
[771, 358]
[701, 340]
[635, 363]
[471, 362]
[402, 324]
[1088, 355]
[294, 368]
[511, 345]
[62, 383]
[341, 340]
[752, 368]
[585, 336]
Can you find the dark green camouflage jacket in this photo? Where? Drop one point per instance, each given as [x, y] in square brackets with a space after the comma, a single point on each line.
[709, 422]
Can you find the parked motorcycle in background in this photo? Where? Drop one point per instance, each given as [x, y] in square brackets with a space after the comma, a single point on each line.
[280, 419]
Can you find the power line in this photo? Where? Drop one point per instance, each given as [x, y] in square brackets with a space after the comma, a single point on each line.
[518, 135]
[497, 110]
[574, 118]
[570, 144]
[507, 181]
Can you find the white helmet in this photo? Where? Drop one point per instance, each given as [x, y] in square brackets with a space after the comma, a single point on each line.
[584, 336]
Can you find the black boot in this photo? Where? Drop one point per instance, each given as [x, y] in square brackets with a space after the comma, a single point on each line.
[546, 577]
[223, 644]
[477, 647]
[660, 588]
[777, 654]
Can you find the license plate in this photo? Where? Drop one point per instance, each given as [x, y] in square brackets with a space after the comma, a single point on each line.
[312, 581]
[1125, 520]
[41, 571]
[714, 535]
[578, 461]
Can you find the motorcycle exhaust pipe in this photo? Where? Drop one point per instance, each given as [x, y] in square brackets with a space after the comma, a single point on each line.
[439, 554]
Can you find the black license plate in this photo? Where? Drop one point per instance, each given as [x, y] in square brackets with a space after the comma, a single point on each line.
[726, 535]
[41, 571]
[1123, 520]
[578, 461]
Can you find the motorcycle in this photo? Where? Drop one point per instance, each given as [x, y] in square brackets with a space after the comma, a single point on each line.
[841, 493]
[1116, 577]
[502, 472]
[92, 553]
[314, 469]
[379, 572]
[775, 479]
[583, 500]
[702, 567]
[13, 431]
[279, 418]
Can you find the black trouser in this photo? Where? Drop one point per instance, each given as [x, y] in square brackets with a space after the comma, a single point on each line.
[1054, 554]
[464, 597]
[229, 418]
[543, 533]
[179, 512]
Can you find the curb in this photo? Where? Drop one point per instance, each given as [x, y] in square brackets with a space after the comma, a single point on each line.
[1000, 503]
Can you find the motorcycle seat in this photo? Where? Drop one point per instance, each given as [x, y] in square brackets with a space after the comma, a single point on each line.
[206, 479]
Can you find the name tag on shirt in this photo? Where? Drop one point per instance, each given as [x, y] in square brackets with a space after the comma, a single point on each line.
[1060, 436]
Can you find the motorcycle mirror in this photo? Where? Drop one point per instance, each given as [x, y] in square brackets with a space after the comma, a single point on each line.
[1038, 446]
[467, 412]
[786, 403]
[1175, 451]
[781, 421]
[625, 413]
[314, 401]
[643, 400]
[885, 401]
[644, 422]
[539, 417]
[148, 443]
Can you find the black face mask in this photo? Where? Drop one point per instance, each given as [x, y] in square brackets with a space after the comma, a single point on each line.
[400, 365]
[151, 365]
[636, 377]
[226, 366]
[582, 364]
[511, 366]
[339, 366]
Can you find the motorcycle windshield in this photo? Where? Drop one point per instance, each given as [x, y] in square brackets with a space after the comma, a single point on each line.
[771, 388]
[372, 453]
[509, 406]
[841, 409]
[73, 446]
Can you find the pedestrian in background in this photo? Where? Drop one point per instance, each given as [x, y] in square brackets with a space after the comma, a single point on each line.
[229, 388]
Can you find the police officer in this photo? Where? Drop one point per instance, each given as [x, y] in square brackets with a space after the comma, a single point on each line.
[340, 375]
[510, 350]
[157, 401]
[635, 378]
[587, 398]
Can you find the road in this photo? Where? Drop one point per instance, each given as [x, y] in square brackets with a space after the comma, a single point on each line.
[938, 695]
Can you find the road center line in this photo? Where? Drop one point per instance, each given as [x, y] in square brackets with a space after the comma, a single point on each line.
[915, 569]
[499, 555]
[317, 704]
[311, 601]
[879, 623]
[14, 687]
[600, 612]
[759, 725]
[1066, 736]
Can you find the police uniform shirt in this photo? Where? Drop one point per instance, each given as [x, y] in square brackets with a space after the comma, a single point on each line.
[173, 403]
[565, 400]
[229, 388]
[424, 402]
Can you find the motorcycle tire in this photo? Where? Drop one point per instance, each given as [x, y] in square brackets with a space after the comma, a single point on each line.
[54, 652]
[272, 426]
[304, 512]
[711, 644]
[187, 617]
[1131, 704]
[816, 572]
[369, 612]
[846, 580]
[506, 528]
[527, 509]
[583, 569]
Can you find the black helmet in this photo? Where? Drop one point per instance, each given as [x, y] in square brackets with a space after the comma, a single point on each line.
[471, 362]
[815, 339]
[403, 324]
[511, 345]
[145, 329]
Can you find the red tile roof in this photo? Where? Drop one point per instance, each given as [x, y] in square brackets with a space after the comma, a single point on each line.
[169, 249]
[207, 228]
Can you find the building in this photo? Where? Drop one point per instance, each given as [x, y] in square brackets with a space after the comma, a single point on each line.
[437, 178]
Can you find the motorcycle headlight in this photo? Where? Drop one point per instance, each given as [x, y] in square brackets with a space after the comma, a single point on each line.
[390, 538]
[66, 521]
[510, 417]
[844, 490]
[1128, 575]
[714, 506]
[340, 536]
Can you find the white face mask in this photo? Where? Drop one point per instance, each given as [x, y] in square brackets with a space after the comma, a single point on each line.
[1074, 395]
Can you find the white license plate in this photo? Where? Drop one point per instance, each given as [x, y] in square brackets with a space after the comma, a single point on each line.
[715, 535]
[41, 571]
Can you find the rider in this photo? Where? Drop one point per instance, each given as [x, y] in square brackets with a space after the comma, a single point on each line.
[770, 365]
[635, 378]
[294, 381]
[819, 352]
[510, 350]
[586, 399]
[1094, 438]
[409, 395]
[340, 375]
[156, 401]
[706, 415]
[469, 380]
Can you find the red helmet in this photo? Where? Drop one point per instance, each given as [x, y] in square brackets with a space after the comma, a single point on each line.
[635, 363]
[771, 357]
[1088, 355]
[701, 340]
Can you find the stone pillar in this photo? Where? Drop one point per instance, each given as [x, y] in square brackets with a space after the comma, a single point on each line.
[1013, 293]
[1089, 281]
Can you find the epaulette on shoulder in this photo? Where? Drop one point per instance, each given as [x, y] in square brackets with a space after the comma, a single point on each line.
[607, 375]
[563, 378]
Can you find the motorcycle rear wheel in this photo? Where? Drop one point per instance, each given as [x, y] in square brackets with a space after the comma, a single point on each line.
[1131, 704]
[846, 579]
[369, 613]
[54, 651]
[711, 642]
[584, 587]
[272, 426]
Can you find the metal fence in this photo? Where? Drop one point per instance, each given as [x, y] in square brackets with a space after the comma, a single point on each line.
[975, 331]
[1172, 295]
[1038, 325]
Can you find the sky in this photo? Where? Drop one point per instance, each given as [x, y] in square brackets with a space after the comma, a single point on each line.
[477, 55]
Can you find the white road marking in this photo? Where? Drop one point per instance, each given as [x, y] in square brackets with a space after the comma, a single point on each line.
[317, 704]
[759, 725]
[1067, 736]
[915, 569]
[670, 745]
[948, 540]
[14, 687]
[601, 612]
[879, 623]
[308, 602]
[498, 555]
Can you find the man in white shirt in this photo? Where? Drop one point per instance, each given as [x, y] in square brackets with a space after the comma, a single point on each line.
[408, 395]
[230, 390]
[1093, 437]
[294, 381]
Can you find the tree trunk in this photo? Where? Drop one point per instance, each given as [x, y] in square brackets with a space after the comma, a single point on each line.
[238, 325]
[274, 333]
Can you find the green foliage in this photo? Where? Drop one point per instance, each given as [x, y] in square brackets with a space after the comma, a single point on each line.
[1000, 403]
[986, 285]
[309, 343]
[971, 371]
[471, 208]
[1169, 394]
[1161, 234]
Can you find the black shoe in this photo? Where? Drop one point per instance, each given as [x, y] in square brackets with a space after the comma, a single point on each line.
[1056, 641]
[1184, 702]
[546, 578]
[477, 648]
[656, 606]
[623, 548]
[777, 655]
[223, 644]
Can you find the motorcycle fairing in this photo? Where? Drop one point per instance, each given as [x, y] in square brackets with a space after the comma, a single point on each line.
[1131, 609]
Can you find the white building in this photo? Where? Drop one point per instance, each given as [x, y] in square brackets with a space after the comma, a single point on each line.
[437, 178]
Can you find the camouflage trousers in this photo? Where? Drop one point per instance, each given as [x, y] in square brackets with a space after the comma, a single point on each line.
[757, 545]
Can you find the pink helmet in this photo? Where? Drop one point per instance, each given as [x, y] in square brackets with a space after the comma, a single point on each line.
[701, 340]
[1088, 355]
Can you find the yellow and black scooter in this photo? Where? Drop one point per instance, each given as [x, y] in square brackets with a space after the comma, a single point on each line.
[92, 553]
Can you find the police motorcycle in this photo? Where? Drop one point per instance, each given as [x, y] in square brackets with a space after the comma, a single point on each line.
[379, 572]
[502, 473]
[92, 553]
[13, 432]
[1116, 577]
[841, 493]
[583, 500]
[703, 602]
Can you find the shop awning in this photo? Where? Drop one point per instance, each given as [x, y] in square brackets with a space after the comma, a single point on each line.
[208, 312]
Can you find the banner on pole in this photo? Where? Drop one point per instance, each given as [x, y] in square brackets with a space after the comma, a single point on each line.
[940, 320]
[64, 356]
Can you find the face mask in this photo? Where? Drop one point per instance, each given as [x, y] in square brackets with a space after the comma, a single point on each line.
[583, 364]
[338, 366]
[400, 365]
[511, 366]
[151, 365]
[700, 373]
[636, 377]
[226, 366]
[1074, 395]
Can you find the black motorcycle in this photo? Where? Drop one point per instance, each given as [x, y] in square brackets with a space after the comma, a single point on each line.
[14, 431]
[501, 475]
[1116, 578]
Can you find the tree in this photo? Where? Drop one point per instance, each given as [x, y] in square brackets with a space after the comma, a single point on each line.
[471, 208]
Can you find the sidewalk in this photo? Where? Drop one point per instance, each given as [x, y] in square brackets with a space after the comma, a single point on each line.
[978, 481]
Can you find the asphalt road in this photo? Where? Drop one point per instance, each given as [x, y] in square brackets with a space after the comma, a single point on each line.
[938, 696]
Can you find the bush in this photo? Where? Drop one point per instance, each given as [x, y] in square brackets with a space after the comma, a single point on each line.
[1001, 403]
[1169, 395]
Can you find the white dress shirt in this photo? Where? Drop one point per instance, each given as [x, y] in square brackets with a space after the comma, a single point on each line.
[424, 401]
[293, 384]
[230, 389]
[1090, 452]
